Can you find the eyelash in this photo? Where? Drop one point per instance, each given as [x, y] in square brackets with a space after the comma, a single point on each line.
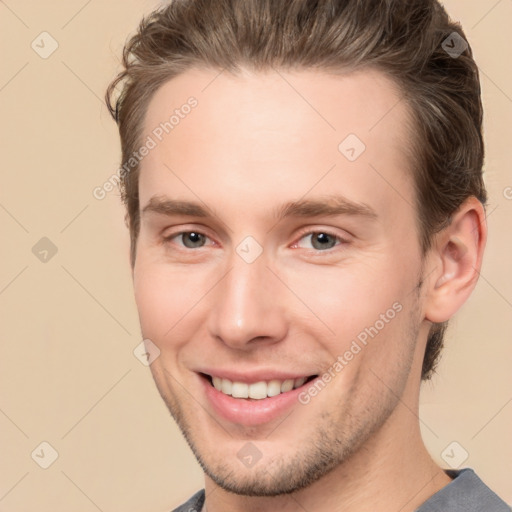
[338, 238]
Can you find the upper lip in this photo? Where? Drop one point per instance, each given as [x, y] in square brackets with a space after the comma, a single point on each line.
[250, 376]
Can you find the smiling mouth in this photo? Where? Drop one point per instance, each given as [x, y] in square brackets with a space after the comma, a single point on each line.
[256, 390]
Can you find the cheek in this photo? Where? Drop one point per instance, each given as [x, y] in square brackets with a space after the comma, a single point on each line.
[160, 300]
[349, 300]
[171, 300]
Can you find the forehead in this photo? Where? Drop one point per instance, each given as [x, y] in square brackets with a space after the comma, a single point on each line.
[256, 132]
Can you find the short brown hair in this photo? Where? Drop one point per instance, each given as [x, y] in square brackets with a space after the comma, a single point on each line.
[408, 40]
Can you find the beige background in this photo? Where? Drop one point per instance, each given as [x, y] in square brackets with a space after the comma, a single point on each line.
[68, 375]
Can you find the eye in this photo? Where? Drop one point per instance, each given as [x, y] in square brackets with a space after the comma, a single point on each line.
[189, 239]
[320, 240]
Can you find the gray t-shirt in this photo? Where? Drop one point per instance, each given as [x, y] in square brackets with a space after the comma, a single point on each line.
[465, 493]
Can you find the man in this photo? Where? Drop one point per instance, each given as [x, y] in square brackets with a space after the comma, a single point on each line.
[304, 194]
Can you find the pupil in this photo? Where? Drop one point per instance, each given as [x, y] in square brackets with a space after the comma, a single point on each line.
[323, 241]
[193, 239]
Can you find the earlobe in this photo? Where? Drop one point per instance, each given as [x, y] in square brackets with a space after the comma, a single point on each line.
[459, 250]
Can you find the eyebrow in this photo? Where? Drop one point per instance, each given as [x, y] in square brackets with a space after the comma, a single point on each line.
[325, 206]
[165, 206]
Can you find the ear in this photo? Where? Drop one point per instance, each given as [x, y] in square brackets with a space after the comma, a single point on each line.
[455, 261]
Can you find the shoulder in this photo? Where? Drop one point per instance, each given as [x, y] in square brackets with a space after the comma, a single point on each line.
[194, 504]
[465, 493]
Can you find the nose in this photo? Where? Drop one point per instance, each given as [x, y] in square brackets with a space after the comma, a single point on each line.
[247, 307]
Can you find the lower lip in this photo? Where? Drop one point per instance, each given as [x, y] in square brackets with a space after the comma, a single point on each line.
[251, 412]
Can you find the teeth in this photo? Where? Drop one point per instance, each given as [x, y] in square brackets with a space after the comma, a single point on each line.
[287, 385]
[256, 390]
[217, 383]
[226, 386]
[299, 382]
[274, 388]
[240, 390]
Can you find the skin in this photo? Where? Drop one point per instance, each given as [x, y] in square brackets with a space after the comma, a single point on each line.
[255, 142]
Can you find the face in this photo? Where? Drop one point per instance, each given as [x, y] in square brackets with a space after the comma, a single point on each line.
[277, 268]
